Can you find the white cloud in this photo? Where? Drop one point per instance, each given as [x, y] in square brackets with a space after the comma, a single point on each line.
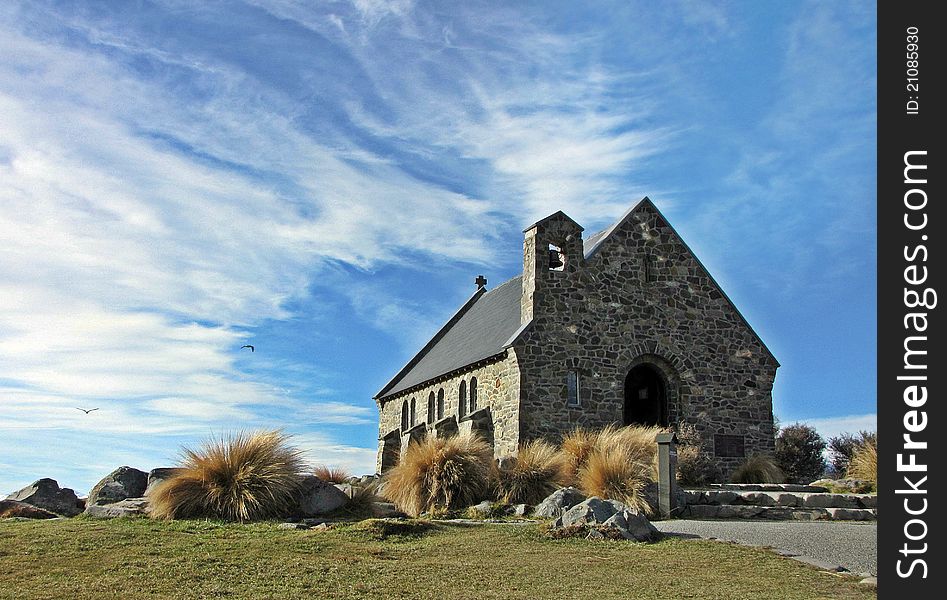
[833, 426]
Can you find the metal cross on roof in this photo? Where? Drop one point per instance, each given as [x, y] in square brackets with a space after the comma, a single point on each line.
[481, 281]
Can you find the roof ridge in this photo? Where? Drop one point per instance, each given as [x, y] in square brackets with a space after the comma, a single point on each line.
[433, 341]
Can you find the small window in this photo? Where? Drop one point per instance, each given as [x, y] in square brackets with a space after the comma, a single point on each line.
[440, 404]
[473, 394]
[430, 407]
[649, 274]
[404, 416]
[572, 389]
[557, 258]
[462, 399]
[414, 413]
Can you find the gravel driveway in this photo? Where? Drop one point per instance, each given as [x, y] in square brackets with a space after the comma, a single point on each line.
[826, 544]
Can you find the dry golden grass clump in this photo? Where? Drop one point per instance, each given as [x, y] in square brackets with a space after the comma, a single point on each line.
[758, 469]
[621, 465]
[439, 474]
[539, 469]
[337, 475]
[243, 477]
[864, 463]
[577, 445]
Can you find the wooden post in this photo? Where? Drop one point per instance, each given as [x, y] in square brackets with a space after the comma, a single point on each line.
[667, 473]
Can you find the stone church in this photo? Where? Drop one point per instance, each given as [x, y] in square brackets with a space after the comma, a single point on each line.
[625, 326]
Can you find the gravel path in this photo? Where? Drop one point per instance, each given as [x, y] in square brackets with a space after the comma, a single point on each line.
[826, 544]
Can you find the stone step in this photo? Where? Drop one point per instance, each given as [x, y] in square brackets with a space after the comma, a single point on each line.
[780, 499]
[768, 487]
[777, 513]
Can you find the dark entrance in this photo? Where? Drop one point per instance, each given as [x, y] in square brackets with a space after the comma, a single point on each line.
[645, 397]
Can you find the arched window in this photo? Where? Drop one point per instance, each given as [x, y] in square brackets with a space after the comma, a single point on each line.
[473, 394]
[404, 416]
[440, 403]
[430, 408]
[462, 399]
[414, 413]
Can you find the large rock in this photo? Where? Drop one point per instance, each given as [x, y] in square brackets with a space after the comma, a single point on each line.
[319, 497]
[15, 508]
[594, 511]
[156, 476]
[633, 525]
[558, 502]
[46, 494]
[129, 507]
[122, 483]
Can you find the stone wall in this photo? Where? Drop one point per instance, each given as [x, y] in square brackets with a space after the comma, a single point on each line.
[603, 316]
[498, 388]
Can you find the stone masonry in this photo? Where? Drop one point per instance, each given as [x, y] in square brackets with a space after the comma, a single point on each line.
[608, 327]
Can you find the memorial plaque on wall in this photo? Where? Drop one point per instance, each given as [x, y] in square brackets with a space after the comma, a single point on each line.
[729, 445]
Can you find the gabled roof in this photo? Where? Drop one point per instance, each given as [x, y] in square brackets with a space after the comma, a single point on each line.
[479, 330]
[489, 322]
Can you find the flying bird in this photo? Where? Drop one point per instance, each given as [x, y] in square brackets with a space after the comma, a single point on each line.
[248, 346]
[86, 410]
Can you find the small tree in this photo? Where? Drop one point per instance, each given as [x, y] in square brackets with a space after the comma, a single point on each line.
[842, 448]
[799, 453]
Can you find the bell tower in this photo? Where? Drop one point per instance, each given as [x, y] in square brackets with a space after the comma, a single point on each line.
[552, 255]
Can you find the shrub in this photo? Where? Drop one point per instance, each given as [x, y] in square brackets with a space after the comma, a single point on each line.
[694, 466]
[537, 471]
[438, 474]
[799, 453]
[865, 462]
[243, 477]
[842, 448]
[758, 469]
[338, 475]
[621, 465]
[577, 445]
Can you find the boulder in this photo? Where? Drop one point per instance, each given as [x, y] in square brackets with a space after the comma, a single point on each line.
[594, 511]
[484, 509]
[519, 510]
[129, 507]
[122, 483]
[384, 510]
[317, 497]
[156, 476]
[346, 488]
[15, 508]
[558, 502]
[46, 494]
[633, 525]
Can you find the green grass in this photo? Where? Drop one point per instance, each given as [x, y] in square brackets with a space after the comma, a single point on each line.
[126, 558]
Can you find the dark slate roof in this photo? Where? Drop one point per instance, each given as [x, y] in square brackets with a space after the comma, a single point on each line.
[479, 330]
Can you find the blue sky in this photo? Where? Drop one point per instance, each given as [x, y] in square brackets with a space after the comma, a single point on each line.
[324, 180]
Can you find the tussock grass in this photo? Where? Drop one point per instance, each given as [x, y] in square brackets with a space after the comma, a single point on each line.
[576, 447]
[616, 463]
[243, 477]
[539, 469]
[438, 474]
[332, 475]
[758, 469]
[864, 463]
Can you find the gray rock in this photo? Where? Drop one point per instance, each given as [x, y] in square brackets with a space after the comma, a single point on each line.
[757, 499]
[368, 479]
[346, 488]
[129, 507]
[519, 510]
[868, 501]
[10, 509]
[317, 497]
[156, 476]
[122, 483]
[292, 526]
[594, 511]
[485, 508]
[721, 496]
[46, 494]
[831, 501]
[384, 510]
[634, 525]
[558, 502]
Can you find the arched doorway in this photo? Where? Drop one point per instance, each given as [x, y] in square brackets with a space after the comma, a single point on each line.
[646, 401]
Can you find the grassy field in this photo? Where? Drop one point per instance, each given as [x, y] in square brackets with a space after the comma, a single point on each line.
[138, 558]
